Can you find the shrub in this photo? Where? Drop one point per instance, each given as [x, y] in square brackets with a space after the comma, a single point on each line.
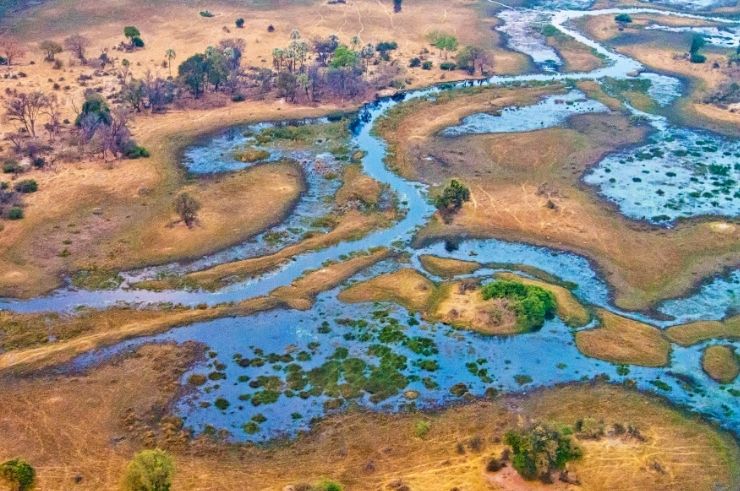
[149, 470]
[206, 13]
[421, 428]
[447, 66]
[539, 450]
[329, 486]
[135, 151]
[137, 42]
[415, 62]
[187, 208]
[697, 58]
[623, 19]
[531, 304]
[26, 186]
[239, 23]
[18, 473]
[11, 166]
[15, 213]
[427, 65]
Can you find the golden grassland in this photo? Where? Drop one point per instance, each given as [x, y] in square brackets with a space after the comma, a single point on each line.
[86, 427]
[696, 332]
[622, 340]
[576, 57]
[526, 187]
[721, 363]
[94, 329]
[446, 267]
[349, 223]
[92, 214]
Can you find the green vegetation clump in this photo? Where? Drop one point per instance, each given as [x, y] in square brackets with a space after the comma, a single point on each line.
[623, 19]
[18, 473]
[532, 304]
[540, 450]
[452, 197]
[149, 470]
[26, 186]
[97, 279]
[697, 43]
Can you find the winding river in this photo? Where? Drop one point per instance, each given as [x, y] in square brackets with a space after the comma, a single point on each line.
[511, 364]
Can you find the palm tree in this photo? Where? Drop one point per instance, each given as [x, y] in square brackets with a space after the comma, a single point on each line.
[170, 55]
[304, 82]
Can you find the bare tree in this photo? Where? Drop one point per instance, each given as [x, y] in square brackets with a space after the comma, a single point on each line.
[53, 112]
[11, 49]
[78, 45]
[187, 208]
[26, 108]
[116, 136]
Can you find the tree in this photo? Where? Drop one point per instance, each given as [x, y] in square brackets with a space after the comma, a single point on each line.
[443, 42]
[471, 58]
[217, 67]
[697, 43]
[452, 197]
[170, 55]
[26, 108]
[50, 49]
[149, 470]
[540, 450]
[287, 85]
[94, 112]
[344, 57]
[192, 73]
[11, 49]
[324, 48]
[78, 45]
[240, 23]
[623, 19]
[17, 472]
[131, 33]
[133, 93]
[187, 208]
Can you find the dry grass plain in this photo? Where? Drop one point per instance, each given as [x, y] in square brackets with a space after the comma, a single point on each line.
[526, 187]
[103, 416]
[663, 52]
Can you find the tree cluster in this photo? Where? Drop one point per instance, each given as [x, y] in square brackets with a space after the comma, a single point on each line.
[540, 450]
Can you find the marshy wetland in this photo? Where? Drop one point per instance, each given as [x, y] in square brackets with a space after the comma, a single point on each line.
[592, 270]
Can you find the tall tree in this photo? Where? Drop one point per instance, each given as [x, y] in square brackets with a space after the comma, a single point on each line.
[11, 50]
[170, 55]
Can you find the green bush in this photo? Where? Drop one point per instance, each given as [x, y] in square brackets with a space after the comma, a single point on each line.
[206, 13]
[539, 450]
[453, 196]
[239, 22]
[137, 42]
[415, 62]
[135, 152]
[11, 166]
[697, 58]
[421, 428]
[329, 486]
[149, 470]
[531, 304]
[15, 213]
[18, 473]
[447, 66]
[623, 18]
[26, 186]
[427, 65]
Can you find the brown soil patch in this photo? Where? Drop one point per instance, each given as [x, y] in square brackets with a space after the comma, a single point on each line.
[623, 340]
